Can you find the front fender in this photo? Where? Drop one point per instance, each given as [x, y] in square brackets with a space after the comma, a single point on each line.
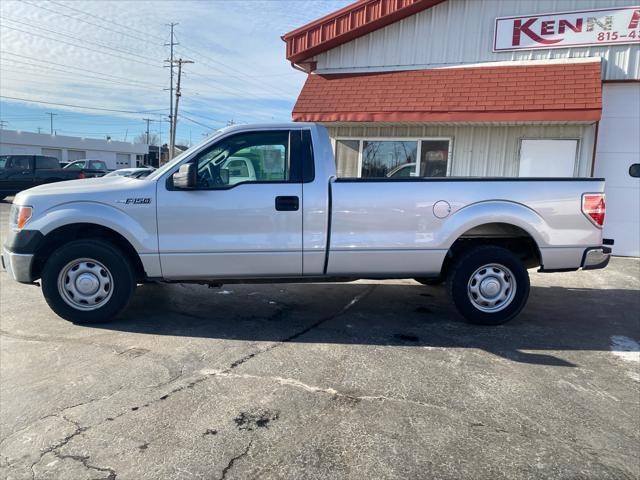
[494, 211]
[137, 225]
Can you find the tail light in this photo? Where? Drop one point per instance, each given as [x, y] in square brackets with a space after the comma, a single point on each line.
[593, 206]
[82, 175]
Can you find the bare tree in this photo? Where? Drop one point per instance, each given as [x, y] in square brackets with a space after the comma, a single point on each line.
[154, 138]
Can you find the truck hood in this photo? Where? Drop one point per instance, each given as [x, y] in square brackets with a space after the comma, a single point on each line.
[107, 190]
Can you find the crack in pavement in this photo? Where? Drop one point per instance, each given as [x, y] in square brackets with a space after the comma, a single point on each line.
[234, 459]
[80, 430]
[294, 383]
[302, 332]
[84, 459]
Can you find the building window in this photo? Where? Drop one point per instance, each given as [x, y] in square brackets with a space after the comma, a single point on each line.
[392, 158]
[73, 155]
[548, 157]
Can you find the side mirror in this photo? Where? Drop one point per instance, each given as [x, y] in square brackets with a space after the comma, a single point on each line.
[224, 176]
[185, 178]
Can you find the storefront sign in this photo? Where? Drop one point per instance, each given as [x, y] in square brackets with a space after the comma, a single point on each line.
[568, 29]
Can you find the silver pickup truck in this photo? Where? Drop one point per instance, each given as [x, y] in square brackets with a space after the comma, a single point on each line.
[287, 218]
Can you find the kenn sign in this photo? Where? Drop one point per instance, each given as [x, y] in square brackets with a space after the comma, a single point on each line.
[568, 29]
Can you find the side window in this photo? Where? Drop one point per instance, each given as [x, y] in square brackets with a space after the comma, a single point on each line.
[21, 162]
[75, 166]
[46, 163]
[97, 165]
[246, 157]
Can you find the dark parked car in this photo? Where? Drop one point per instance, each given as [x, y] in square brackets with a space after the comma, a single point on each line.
[19, 172]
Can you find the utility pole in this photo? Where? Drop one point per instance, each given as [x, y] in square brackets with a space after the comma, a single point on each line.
[171, 62]
[51, 115]
[180, 62]
[147, 120]
[39, 129]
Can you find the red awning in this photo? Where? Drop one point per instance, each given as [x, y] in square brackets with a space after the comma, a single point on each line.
[352, 21]
[548, 92]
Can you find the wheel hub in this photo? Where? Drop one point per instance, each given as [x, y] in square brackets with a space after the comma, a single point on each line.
[85, 284]
[491, 288]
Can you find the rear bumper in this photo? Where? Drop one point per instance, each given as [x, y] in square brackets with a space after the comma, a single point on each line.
[18, 265]
[597, 257]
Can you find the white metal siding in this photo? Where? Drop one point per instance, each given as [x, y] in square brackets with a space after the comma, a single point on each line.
[483, 150]
[461, 31]
[618, 148]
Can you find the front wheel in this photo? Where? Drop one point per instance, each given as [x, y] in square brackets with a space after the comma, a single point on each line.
[88, 281]
[488, 285]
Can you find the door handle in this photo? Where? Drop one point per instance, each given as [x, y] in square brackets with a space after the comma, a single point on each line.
[287, 204]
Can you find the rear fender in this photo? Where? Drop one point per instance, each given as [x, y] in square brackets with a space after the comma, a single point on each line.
[498, 211]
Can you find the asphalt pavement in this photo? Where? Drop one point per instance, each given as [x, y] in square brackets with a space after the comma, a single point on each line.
[325, 381]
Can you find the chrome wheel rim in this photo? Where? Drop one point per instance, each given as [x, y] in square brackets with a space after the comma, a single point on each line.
[491, 288]
[85, 284]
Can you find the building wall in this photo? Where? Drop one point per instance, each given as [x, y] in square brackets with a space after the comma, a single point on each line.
[28, 143]
[461, 32]
[481, 150]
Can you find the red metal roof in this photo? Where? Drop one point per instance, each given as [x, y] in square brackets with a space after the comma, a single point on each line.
[352, 21]
[558, 92]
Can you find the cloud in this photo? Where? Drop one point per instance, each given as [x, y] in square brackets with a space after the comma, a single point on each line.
[111, 54]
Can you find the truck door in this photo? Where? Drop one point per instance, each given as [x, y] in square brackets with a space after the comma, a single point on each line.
[230, 226]
[18, 173]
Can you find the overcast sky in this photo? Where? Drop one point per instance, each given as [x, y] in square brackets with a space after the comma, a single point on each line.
[109, 54]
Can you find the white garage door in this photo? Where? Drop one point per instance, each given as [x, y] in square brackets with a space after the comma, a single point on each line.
[617, 149]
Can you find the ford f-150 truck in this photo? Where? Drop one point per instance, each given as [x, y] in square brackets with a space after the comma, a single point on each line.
[91, 242]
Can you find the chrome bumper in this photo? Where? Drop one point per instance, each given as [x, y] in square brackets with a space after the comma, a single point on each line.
[18, 265]
[595, 258]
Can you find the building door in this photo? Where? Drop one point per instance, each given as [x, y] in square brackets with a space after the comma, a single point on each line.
[122, 160]
[618, 149]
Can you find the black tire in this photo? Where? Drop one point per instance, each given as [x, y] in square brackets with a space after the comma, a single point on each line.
[430, 282]
[117, 265]
[468, 265]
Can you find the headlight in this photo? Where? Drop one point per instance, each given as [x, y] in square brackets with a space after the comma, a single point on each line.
[19, 216]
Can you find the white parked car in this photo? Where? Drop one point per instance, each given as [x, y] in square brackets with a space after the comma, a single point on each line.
[262, 202]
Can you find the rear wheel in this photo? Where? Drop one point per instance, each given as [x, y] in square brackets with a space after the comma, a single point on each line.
[488, 285]
[87, 281]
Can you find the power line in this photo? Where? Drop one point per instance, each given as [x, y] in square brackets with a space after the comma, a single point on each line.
[31, 25]
[104, 19]
[5, 52]
[80, 106]
[197, 123]
[86, 21]
[81, 46]
[64, 73]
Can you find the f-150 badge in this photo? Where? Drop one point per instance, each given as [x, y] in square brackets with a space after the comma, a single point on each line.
[135, 201]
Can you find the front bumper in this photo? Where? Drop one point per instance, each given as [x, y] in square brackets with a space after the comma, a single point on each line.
[597, 257]
[18, 265]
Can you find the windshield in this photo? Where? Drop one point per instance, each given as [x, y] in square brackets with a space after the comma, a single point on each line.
[3, 161]
[160, 171]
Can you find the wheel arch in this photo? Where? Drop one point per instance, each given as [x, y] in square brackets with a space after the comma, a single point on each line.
[84, 230]
[506, 224]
